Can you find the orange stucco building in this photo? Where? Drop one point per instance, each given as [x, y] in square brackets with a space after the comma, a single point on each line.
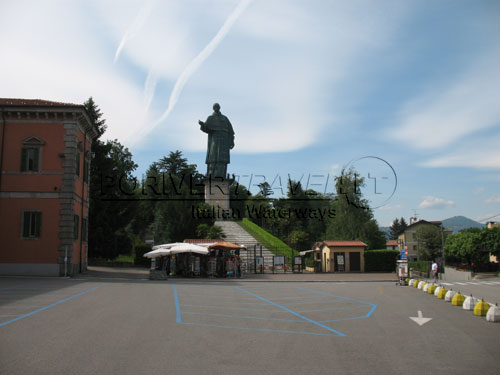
[44, 165]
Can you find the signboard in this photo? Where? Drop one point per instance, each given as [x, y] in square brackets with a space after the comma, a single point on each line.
[259, 261]
[402, 254]
[297, 260]
[402, 269]
[340, 260]
[279, 261]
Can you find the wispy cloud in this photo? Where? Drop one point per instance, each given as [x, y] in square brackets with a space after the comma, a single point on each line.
[391, 207]
[474, 152]
[435, 203]
[450, 111]
[194, 65]
[479, 190]
[135, 27]
[493, 199]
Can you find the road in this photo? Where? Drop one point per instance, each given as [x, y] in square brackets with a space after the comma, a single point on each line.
[89, 326]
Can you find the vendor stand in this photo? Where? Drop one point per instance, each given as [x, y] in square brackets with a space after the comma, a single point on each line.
[226, 257]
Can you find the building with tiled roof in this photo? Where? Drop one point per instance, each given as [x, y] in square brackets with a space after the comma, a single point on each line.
[407, 238]
[340, 256]
[44, 168]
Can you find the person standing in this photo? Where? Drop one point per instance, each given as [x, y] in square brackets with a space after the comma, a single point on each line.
[434, 269]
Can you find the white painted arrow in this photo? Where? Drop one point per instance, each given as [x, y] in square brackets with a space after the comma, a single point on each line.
[420, 320]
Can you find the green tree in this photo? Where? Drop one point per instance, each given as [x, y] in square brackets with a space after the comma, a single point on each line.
[490, 239]
[210, 231]
[110, 179]
[353, 217]
[465, 247]
[398, 225]
[429, 241]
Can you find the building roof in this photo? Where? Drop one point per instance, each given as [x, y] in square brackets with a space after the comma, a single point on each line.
[344, 243]
[203, 240]
[436, 223]
[392, 243]
[35, 102]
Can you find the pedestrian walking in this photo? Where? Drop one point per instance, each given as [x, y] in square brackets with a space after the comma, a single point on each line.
[434, 270]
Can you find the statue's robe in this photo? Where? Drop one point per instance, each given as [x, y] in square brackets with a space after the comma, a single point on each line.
[220, 141]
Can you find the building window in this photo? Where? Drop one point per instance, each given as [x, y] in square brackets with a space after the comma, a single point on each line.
[86, 167]
[30, 159]
[84, 229]
[77, 162]
[32, 222]
[30, 154]
[76, 222]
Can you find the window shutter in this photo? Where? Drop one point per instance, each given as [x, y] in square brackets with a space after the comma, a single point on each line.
[26, 224]
[24, 157]
[38, 223]
[36, 159]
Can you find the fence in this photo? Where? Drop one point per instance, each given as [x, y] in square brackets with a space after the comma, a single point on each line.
[276, 260]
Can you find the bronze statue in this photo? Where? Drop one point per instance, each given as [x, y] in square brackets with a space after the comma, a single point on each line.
[220, 141]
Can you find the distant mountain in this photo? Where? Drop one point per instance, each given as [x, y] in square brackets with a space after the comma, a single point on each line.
[386, 230]
[457, 223]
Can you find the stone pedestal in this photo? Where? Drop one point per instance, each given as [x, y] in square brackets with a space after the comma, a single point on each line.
[218, 197]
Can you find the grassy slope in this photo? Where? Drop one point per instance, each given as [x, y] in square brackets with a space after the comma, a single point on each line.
[272, 243]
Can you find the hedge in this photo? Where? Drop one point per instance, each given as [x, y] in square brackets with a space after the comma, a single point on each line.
[381, 260]
[420, 266]
[140, 250]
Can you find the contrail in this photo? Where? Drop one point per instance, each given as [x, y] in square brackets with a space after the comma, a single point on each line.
[197, 61]
[149, 89]
[132, 31]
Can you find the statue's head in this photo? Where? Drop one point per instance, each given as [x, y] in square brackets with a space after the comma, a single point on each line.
[216, 107]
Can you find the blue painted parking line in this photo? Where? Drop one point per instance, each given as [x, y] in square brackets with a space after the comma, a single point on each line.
[49, 306]
[262, 329]
[177, 307]
[373, 306]
[292, 312]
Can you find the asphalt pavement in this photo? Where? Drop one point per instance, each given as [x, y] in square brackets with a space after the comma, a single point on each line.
[114, 326]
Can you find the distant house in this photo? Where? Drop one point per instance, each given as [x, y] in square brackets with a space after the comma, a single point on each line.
[391, 245]
[340, 256]
[408, 237]
[44, 174]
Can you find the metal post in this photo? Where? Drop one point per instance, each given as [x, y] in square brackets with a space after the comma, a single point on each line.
[66, 262]
[255, 258]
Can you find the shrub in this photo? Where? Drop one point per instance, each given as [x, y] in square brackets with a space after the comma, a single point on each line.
[421, 266]
[140, 250]
[381, 260]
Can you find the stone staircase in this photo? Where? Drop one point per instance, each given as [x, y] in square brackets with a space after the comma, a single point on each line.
[237, 235]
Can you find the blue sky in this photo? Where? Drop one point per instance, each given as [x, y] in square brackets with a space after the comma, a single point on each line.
[309, 86]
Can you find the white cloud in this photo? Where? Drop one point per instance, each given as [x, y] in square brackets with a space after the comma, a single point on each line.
[391, 208]
[194, 65]
[448, 112]
[479, 190]
[493, 199]
[435, 203]
[59, 58]
[474, 152]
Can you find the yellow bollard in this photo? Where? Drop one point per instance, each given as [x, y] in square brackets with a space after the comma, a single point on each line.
[415, 283]
[431, 289]
[458, 299]
[442, 293]
[481, 308]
